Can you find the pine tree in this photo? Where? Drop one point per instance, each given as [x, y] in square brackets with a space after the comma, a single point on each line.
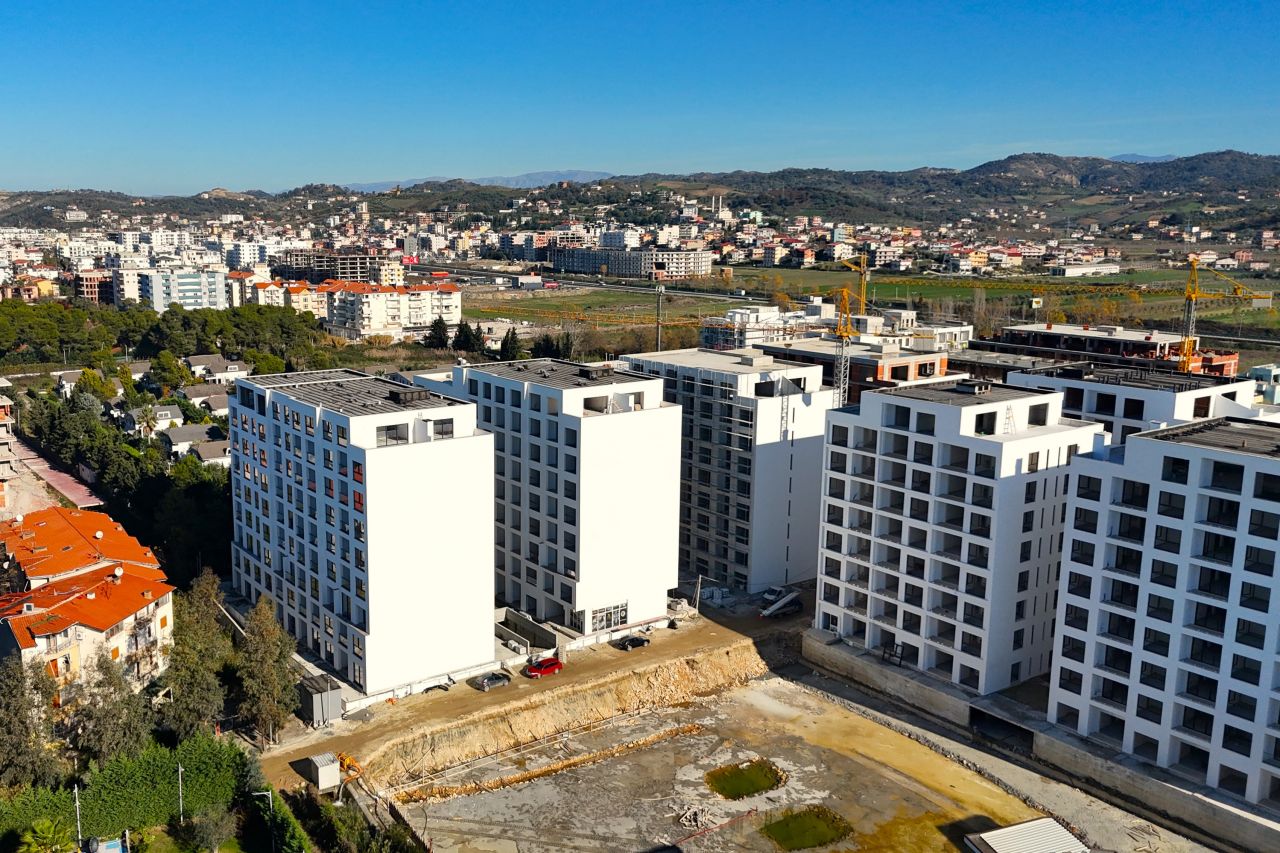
[437, 335]
[26, 694]
[270, 688]
[109, 718]
[477, 338]
[201, 647]
[510, 346]
[462, 339]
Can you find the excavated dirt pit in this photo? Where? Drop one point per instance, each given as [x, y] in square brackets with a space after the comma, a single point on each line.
[643, 784]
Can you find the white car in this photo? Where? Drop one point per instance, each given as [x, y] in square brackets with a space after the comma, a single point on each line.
[773, 593]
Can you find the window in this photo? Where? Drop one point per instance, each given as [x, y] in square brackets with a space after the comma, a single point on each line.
[1267, 487]
[985, 424]
[1168, 539]
[1038, 415]
[1134, 409]
[1171, 504]
[1070, 680]
[1082, 552]
[1024, 580]
[1164, 574]
[1089, 488]
[1086, 520]
[394, 434]
[442, 428]
[1029, 493]
[1264, 524]
[1134, 494]
[1174, 470]
[1200, 408]
[1227, 476]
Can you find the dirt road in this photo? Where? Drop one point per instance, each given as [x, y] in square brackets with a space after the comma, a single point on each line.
[361, 738]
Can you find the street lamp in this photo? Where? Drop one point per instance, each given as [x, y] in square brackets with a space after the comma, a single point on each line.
[271, 826]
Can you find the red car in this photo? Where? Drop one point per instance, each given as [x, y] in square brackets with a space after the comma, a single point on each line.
[546, 666]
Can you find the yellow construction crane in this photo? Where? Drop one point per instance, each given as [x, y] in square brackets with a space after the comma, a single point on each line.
[1193, 294]
[859, 265]
[844, 331]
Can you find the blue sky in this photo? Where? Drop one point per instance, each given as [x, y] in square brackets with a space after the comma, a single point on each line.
[179, 97]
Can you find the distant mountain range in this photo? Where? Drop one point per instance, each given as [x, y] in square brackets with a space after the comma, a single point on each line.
[1143, 158]
[526, 181]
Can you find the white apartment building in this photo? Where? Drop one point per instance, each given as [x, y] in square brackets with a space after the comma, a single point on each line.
[625, 238]
[750, 456]
[357, 311]
[1168, 622]
[656, 264]
[188, 287]
[337, 483]
[587, 482]
[942, 523]
[1128, 400]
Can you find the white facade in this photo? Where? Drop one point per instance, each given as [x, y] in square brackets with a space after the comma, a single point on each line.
[1167, 615]
[1129, 400]
[751, 454]
[190, 288]
[587, 484]
[358, 311]
[942, 524]
[357, 506]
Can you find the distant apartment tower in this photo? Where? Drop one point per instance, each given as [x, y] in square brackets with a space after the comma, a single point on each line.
[942, 522]
[751, 454]
[190, 288]
[655, 264]
[1128, 400]
[587, 482]
[1168, 621]
[340, 489]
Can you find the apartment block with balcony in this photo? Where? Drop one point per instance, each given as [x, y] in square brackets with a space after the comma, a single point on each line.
[942, 524]
[1127, 400]
[1168, 616]
[751, 451]
[79, 584]
[587, 488]
[353, 501]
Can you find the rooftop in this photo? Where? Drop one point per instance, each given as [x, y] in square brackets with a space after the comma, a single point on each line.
[964, 393]
[1134, 377]
[1239, 435]
[742, 361]
[554, 373]
[830, 348]
[1117, 332]
[351, 392]
[57, 540]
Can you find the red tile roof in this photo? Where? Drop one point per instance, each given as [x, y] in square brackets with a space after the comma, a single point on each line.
[99, 600]
[58, 541]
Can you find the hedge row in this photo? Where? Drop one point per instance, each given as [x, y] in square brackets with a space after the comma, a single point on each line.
[129, 793]
[288, 832]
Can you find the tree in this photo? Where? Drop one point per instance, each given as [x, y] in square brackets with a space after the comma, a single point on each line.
[109, 718]
[169, 373]
[201, 647]
[147, 420]
[266, 659]
[264, 362]
[464, 338]
[437, 335]
[510, 346]
[212, 828]
[545, 346]
[47, 836]
[477, 338]
[91, 382]
[26, 728]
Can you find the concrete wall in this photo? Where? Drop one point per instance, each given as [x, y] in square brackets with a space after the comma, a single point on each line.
[866, 669]
[1217, 820]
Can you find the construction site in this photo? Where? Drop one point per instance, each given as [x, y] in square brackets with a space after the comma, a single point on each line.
[716, 737]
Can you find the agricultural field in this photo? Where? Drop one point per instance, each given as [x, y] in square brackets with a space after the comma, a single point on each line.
[540, 306]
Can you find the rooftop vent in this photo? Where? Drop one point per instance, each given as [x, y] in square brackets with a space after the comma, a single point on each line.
[408, 395]
[595, 371]
[97, 534]
[971, 386]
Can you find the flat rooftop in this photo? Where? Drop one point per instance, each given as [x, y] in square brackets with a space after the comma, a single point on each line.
[1239, 435]
[963, 393]
[726, 361]
[830, 348]
[992, 358]
[351, 392]
[1134, 377]
[1116, 332]
[555, 373]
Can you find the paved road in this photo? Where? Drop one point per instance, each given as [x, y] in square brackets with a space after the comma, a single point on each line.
[64, 484]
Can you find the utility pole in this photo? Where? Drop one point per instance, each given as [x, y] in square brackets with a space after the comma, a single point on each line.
[79, 838]
[180, 817]
[660, 290]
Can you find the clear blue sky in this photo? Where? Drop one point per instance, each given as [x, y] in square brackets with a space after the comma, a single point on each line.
[179, 97]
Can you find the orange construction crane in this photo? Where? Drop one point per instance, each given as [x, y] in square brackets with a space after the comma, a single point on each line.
[1193, 294]
[859, 265]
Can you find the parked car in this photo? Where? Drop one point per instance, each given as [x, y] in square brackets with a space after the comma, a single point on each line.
[635, 641]
[546, 666]
[772, 594]
[487, 682]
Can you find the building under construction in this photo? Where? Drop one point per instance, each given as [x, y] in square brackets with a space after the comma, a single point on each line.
[1108, 344]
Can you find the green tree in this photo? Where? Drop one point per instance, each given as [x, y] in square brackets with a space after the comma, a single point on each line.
[26, 727]
[109, 718]
[545, 346]
[47, 836]
[91, 382]
[201, 647]
[477, 338]
[264, 362]
[464, 338]
[148, 420]
[437, 335]
[510, 346]
[266, 672]
[168, 372]
[211, 828]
